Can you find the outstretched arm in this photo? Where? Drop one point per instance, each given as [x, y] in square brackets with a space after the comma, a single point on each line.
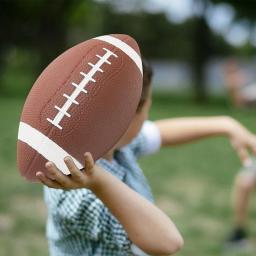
[176, 131]
[146, 225]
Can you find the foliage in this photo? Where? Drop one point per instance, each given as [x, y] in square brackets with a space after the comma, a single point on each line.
[43, 29]
[244, 9]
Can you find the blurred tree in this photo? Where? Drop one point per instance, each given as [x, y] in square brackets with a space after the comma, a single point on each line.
[245, 13]
[202, 50]
[40, 26]
[46, 28]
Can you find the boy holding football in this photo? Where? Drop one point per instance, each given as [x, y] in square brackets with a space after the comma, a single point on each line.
[108, 209]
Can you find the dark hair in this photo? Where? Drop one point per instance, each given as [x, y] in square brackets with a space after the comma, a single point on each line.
[147, 77]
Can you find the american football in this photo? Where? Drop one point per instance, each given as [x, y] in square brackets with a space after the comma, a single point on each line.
[83, 101]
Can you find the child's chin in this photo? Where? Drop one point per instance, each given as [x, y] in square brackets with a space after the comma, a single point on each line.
[121, 144]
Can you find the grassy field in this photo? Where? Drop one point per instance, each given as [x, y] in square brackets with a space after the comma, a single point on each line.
[192, 183]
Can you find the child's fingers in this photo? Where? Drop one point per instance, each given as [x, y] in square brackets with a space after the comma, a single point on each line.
[56, 174]
[46, 181]
[89, 163]
[253, 146]
[74, 171]
[243, 154]
[48, 173]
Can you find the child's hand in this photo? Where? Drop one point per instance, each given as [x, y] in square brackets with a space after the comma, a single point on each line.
[243, 141]
[54, 178]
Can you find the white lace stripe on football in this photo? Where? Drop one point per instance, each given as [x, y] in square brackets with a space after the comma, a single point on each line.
[44, 146]
[124, 47]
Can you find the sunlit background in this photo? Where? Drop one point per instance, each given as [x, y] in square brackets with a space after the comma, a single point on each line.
[189, 44]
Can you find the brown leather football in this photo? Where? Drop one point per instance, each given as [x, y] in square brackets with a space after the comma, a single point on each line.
[83, 101]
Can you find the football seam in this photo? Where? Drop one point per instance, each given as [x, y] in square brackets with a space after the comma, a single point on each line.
[80, 87]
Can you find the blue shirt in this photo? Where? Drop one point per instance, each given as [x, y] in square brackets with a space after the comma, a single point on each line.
[80, 224]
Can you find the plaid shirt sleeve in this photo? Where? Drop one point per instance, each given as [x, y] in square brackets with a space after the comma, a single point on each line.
[148, 140]
[81, 212]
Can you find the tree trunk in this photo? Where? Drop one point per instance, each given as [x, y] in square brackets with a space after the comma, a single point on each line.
[200, 57]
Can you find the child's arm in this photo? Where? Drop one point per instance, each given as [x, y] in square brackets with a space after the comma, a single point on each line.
[146, 225]
[183, 130]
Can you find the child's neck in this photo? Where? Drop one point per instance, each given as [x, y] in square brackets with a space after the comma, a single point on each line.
[109, 155]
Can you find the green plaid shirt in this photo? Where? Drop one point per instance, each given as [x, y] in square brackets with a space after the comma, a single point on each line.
[79, 224]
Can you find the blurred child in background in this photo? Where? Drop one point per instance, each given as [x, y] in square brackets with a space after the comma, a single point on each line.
[241, 91]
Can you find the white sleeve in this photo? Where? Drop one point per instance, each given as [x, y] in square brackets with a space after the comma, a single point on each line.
[152, 138]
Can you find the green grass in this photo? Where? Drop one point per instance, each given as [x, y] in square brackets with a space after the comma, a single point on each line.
[192, 183]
